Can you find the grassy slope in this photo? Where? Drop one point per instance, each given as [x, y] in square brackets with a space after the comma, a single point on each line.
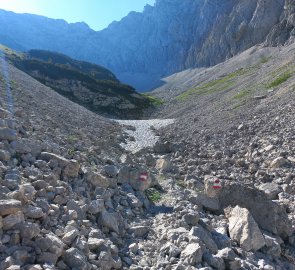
[230, 87]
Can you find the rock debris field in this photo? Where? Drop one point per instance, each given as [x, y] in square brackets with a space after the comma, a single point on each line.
[68, 201]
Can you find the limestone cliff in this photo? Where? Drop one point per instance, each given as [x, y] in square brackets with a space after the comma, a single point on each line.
[171, 36]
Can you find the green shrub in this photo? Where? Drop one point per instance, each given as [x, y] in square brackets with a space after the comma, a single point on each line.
[153, 195]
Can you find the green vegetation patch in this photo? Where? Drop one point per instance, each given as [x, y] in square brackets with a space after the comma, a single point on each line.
[154, 100]
[211, 87]
[153, 194]
[243, 94]
[264, 59]
[180, 183]
[281, 79]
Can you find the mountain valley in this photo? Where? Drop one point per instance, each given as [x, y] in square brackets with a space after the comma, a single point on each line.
[197, 174]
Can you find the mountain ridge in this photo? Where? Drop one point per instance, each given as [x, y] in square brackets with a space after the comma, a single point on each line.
[164, 39]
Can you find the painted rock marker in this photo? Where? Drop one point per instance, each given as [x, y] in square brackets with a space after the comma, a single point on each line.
[143, 176]
[217, 184]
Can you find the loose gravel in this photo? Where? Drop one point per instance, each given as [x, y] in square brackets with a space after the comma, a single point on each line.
[142, 132]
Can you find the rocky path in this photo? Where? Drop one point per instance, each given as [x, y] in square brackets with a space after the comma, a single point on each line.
[142, 133]
[183, 230]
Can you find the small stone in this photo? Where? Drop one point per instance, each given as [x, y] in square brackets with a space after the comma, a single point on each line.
[28, 192]
[133, 248]
[47, 257]
[244, 229]
[8, 207]
[21, 256]
[205, 236]
[4, 155]
[271, 190]
[34, 212]
[139, 231]
[227, 254]
[71, 169]
[111, 170]
[43, 243]
[164, 165]
[13, 267]
[191, 218]
[75, 259]
[279, 163]
[12, 220]
[110, 220]
[94, 243]
[211, 184]
[97, 179]
[7, 134]
[40, 184]
[29, 230]
[192, 254]
[214, 261]
[72, 214]
[56, 246]
[96, 206]
[35, 267]
[69, 237]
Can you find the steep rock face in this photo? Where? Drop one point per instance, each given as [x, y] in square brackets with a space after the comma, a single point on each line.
[284, 31]
[171, 36]
[247, 23]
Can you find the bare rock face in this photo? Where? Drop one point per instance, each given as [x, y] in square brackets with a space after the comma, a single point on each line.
[284, 31]
[244, 229]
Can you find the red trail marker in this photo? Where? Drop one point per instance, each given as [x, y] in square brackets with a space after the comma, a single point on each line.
[217, 184]
[143, 176]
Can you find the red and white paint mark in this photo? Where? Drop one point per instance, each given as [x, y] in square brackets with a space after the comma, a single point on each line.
[217, 184]
[143, 177]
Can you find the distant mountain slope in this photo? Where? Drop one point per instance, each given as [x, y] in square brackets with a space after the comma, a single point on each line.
[171, 36]
[219, 96]
[87, 84]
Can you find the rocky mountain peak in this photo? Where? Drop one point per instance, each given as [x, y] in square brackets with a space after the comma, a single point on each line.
[171, 36]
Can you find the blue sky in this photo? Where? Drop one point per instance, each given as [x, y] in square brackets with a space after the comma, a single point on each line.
[98, 14]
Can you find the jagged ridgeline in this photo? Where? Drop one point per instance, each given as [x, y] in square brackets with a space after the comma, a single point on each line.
[90, 85]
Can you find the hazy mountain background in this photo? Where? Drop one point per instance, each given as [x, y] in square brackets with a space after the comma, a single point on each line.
[171, 36]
